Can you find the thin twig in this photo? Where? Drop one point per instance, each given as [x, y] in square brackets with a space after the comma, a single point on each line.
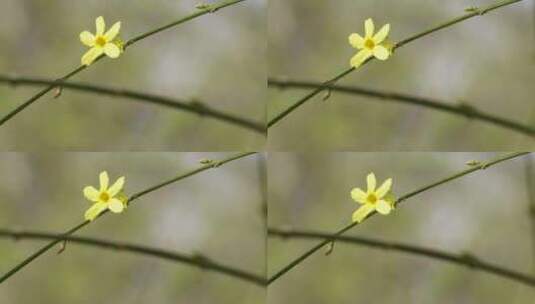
[461, 109]
[132, 198]
[191, 106]
[200, 12]
[194, 260]
[330, 82]
[460, 259]
[530, 188]
[481, 166]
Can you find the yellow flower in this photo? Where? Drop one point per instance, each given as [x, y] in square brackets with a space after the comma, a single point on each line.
[371, 45]
[101, 42]
[106, 197]
[374, 199]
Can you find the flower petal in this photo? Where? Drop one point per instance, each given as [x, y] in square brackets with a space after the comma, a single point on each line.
[113, 31]
[384, 188]
[91, 55]
[101, 25]
[380, 52]
[116, 187]
[87, 38]
[360, 57]
[371, 181]
[116, 206]
[383, 207]
[112, 50]
[91, 193]
[356, 41]
[381, 34]
[104, 180]
[361, 213]
[358, 195]
[94, 211]
[369, 27]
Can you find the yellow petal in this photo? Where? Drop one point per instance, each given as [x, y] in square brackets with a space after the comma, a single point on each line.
[361, 213]
[116, 187]
[95, 210]
[116, 206]
[383, 190]
[104, 180]
[369, 28]
[380, 52]
[381, 34]
[91, 193]
[87, 38]
[101, 26]
[371, 182]
[91, 55]
[112, 50]
[383, 207]
[356, 41]
[358, 195]
[113, 31]
[357, 60]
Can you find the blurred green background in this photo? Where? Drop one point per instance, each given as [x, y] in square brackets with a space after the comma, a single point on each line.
[485, 213]
[487, 62]
[44, 192]
[190, 61]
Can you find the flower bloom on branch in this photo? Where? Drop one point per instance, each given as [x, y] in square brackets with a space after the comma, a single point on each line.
[371, 44]
[373, 199]
[102, 42]
[105, 197]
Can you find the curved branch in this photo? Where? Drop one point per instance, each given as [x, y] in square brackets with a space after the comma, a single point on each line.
[460, 259]
[473, 13]
[460, 109]
[132, 198]
[200, 12]
[193, 106]
[481, 166]
[193, 260]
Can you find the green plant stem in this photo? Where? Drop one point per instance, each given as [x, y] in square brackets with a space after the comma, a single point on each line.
[460, 259]
[459, 109]
[330, 82]
[193, 260]
[192, 106]
[198, 13]
[530, 188]
[132, 198]
[402, 198]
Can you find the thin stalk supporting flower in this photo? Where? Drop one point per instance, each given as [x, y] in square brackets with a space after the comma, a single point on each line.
[102, 42]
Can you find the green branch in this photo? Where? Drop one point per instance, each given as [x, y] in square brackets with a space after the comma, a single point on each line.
[330, 82]
[132, 198]
[193, 260]
[530, 188]
[200, 12]
[481, 166]
[192, 106]
[460, 109]
[460, 259]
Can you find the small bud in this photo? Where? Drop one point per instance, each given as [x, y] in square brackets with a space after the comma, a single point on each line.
[327, 94]
[205, 161]
[57, 92]
[473, 163]
[329, 249]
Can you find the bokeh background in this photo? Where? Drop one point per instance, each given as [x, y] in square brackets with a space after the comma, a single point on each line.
[484, 213]
[217, 213]
[218, 59]
[486, 62]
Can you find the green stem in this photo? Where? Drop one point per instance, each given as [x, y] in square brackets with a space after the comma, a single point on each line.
[530, 188]
[460, 259]
[402, 198]
[330, 82]
[193, 107]
[200, 12]
[193, 260]
[460, 109]
[132, 198]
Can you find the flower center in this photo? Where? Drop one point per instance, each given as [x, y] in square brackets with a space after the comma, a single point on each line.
[104, 196]
[100, 41]
[369, 44]
[372, 198]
